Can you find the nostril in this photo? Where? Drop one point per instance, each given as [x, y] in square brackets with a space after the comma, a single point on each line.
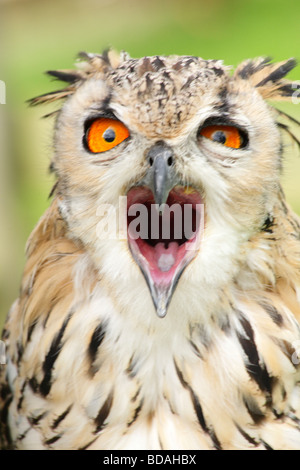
[160, 152]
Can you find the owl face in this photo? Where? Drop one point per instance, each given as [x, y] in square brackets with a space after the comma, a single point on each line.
[164, 132]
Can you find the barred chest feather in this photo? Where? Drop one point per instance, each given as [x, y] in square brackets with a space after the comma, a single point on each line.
[172, 383]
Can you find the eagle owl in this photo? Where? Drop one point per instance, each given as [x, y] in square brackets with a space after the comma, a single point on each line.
[160, 302]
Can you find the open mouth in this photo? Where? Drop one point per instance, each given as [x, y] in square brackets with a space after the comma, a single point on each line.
[163, 239]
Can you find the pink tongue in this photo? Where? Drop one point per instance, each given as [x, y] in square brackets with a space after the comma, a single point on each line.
[166, 257]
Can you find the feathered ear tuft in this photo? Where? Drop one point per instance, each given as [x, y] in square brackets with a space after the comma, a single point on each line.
[88, 65]
[268, 78]
[73, 77]
[51, 97]
[69, 76]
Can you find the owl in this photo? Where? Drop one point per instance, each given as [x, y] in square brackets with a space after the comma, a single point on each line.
[160, 301]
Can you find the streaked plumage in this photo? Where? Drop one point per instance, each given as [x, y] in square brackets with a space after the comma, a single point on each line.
[89, 363]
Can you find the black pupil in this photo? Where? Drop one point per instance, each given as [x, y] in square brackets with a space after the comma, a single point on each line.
[219, 136]
[109, 135]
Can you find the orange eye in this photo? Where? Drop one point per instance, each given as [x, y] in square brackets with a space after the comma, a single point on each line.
[229, 136]
[104, 134]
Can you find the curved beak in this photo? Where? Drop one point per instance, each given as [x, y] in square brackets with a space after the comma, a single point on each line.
[160, 177]
[171, 237]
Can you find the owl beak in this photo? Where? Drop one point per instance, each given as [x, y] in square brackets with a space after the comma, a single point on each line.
[160, 177]
[164, 237]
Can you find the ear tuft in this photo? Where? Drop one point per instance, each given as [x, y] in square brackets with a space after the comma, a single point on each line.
[51, 97]
[88, 65]
[69, 76]
[268, 78]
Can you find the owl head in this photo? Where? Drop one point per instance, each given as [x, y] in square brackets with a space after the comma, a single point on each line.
[167, 167]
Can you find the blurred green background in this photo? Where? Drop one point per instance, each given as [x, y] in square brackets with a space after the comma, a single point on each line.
[37, 35]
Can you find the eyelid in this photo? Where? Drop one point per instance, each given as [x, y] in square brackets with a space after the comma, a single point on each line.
[222, 121]
[106, 114]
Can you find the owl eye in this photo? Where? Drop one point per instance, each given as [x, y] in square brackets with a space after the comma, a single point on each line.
[104, 134]
[229, 136]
